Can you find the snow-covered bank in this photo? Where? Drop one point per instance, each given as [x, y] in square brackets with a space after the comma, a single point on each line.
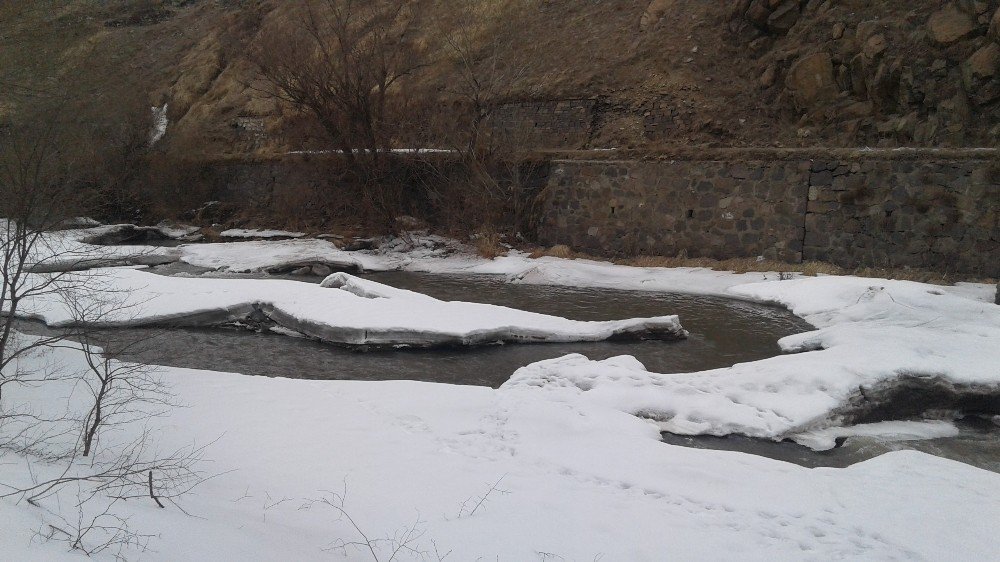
[343, 310]
[575, 480]
[873, 335]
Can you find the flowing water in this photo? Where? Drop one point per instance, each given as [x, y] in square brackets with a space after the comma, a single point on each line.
[722, 332]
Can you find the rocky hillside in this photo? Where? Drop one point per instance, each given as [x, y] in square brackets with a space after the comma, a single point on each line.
[654, 73]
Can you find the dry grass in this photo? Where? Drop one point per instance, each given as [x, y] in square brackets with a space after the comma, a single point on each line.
[750, 265]
[488, 245]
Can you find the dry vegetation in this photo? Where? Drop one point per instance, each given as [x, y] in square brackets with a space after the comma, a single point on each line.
[751, 265]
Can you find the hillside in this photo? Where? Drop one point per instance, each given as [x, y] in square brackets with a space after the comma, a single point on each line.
[746, 73]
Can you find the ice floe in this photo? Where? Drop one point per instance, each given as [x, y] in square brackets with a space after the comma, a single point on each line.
[341, 311]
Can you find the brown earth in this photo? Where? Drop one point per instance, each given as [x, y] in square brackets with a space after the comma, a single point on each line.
[740, 73]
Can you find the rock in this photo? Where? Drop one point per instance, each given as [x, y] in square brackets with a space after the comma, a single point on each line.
[984, 63]
[362, 244]
[320, 270]
[864, 30]
[874, 46]
[784, 17]
[768, 77]
[949, 24]
[811, 80]
[758, 13]
[858, 109]
[838, 30]
[980, 74]
[994, 32]
[305, 270]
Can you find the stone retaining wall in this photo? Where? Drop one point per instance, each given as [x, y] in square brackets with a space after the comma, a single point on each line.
[558, 123]
[937, 214]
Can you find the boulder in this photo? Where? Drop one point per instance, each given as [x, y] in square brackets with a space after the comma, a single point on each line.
[838, 30]
[758, 13]
[984, 63]
[768, 77]
[783, 17]
[874, 46]
[981, 74]
[994, 32]
[811, 80]
[950, 24]
[321, 270]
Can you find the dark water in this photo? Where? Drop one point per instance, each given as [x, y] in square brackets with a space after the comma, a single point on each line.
[977, 444]
[723, 332]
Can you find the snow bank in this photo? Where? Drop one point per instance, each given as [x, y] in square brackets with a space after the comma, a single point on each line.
[343, 311]
[257, 233]
[574, 480]
[878, 341]
[272, 256]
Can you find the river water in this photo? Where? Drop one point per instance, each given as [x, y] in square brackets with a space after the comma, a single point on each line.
[722, 332]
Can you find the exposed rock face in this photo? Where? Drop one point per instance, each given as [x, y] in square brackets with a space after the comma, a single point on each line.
[902, 74]
[811, 80]
[949, 24]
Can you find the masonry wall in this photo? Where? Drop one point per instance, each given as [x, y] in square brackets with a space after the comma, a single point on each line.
[940, 215]
[550, 124]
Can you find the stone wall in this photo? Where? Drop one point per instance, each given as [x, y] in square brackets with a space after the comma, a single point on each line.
[704, 209]
[550, 124]
[937, 214]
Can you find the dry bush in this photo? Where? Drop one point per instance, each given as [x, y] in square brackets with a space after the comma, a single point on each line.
[752, 265]
[489, 244]
[342, 63]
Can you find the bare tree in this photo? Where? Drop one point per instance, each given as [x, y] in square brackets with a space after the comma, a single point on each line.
[37, 194]
[40, 189]
[121, 393]
[492, 155]
[341, 62]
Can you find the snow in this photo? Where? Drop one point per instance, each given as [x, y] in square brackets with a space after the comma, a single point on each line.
[572, 445]
[258, 233]
[873, 334]
[344, 310]
[258, 256]
[160, 123]
[824, 439]
[575, 480]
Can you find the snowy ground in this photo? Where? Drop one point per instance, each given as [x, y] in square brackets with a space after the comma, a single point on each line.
[577, 481]
[580, 476]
